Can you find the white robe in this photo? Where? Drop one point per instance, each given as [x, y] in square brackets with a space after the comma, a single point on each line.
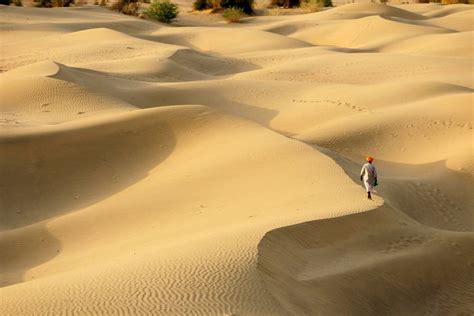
[369, 174]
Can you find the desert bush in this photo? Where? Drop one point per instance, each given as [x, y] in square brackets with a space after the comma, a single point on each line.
[233, 14]
[201, 5]
[245, 5]
[53, 3]
[44, 3]
[117, 6]
[102, 3]
[284, 3]
[17, 3]
[311, 5]
[162, 10]
[129, 7]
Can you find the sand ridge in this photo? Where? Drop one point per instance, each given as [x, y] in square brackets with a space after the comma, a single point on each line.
[144, 163]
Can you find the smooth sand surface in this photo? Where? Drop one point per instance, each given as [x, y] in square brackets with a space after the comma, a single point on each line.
[142, 164]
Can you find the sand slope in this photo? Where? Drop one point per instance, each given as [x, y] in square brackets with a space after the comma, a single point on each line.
[366, 264]
[141, 164]
[194, 157]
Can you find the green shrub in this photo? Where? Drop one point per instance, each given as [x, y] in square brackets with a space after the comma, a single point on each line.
[201, 5]
[162, 10]
[245, 5]
[233, 14]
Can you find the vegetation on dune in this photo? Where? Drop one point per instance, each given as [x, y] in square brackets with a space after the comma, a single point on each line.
[284, 3]
[129, 7]
[457, 1]
[162, 10]
[245, 5]
[54, 3]
[233, 14]
[311, 5]
[447, 1]
[201, 5]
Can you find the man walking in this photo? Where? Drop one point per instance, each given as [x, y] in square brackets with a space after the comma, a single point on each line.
[368, 175]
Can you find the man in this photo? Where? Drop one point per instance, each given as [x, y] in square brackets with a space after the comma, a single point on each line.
[368, 175]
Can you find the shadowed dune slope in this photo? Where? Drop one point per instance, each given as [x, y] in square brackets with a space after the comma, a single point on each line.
[96, 158]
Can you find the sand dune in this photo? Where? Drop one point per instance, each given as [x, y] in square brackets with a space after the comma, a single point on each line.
[364, 33]
[142, 164]
[452, 44]
[447, 10]
[226, 40]
[370, 69]
[460, 21]
[323, 267]
[209, 214]
[50, 101]
[359, 10]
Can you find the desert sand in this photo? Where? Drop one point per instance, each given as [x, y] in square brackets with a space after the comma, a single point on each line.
[212, 168]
